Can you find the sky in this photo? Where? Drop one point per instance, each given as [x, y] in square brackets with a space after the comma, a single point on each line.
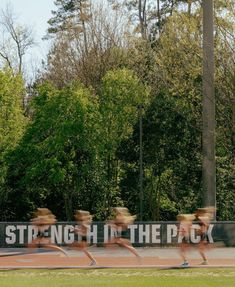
[35, 14]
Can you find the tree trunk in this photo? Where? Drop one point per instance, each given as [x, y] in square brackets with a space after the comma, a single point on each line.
[208, 107]
[172, 7]
[142, 18]
[189, 7]
[159, 15]
[233, 124]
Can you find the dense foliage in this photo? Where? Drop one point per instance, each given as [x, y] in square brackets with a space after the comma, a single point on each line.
[76, 144]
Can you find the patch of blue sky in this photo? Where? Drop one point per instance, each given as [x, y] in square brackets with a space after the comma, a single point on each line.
[34, 14]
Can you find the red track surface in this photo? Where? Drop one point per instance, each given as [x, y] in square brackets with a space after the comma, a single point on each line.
[55, 260]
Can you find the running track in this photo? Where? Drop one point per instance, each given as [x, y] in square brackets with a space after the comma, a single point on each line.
[112, 258]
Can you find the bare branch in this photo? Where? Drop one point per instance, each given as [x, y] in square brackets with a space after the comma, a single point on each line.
[20, 37]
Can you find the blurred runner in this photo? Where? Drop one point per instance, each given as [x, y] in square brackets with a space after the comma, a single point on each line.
[184, 230]
[42, 221]
[204, 216]
[119, 225]
[84, 220]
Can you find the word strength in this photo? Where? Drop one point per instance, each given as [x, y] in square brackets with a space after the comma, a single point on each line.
[100, 233]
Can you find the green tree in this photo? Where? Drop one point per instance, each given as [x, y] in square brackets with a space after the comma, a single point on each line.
[174, 64]
[171, 156]
[86, 51]
[121, 93]
[12, 120]
[71, 15]
[55, 159]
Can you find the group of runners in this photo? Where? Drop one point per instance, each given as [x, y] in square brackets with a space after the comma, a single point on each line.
[203, 217]
[43, 219]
